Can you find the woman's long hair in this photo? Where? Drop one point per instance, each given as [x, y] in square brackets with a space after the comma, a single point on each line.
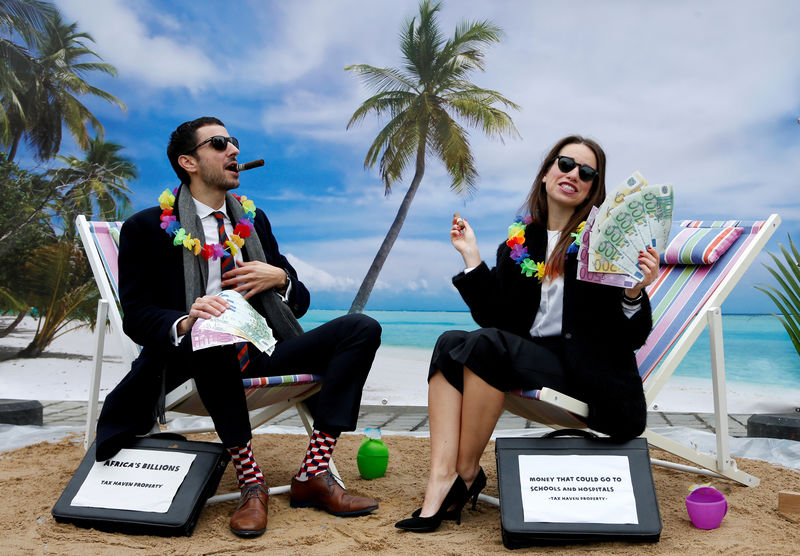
[536, 202]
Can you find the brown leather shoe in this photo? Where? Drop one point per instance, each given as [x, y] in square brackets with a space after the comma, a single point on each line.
[250, 517]
[323, 492]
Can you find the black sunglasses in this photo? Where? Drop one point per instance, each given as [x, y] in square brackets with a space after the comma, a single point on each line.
[218, 142]
[566, 164]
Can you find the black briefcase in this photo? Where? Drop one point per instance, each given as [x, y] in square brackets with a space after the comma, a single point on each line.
[557, 490]
[165, 473]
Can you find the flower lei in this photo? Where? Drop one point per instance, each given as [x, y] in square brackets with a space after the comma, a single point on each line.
[242, 230]
[519, 253]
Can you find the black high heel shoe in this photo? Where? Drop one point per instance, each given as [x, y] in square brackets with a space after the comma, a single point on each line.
[478, 484]
[456, 498]
[476, 487]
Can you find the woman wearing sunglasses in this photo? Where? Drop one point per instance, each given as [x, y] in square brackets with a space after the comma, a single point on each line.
[540, 326]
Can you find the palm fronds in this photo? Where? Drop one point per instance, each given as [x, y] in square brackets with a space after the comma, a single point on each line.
[786, 295]
[429, 104]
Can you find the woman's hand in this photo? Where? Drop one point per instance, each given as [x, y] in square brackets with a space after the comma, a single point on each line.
[463, 238]
[648, 262]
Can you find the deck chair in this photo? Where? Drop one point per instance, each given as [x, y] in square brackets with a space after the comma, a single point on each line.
[267, 397]
[685, 298]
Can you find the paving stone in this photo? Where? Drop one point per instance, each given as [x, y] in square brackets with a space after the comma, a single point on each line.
[655, 419]
[413, 418]
[512, 423]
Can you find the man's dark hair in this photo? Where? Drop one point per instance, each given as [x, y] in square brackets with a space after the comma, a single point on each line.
[183, 139]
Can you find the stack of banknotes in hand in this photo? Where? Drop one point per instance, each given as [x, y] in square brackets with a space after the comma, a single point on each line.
[633, 217]
[240, 322]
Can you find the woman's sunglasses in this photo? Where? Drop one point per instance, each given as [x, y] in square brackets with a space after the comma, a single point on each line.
[566, 164]
[219, 143]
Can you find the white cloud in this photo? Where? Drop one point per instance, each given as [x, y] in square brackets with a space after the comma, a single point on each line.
[341, 265]
[699, 95]
[316, 279]
[124, 40]
[317, 116]
[315, 39]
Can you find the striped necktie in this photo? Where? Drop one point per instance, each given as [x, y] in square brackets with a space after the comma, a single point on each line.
[226, 263]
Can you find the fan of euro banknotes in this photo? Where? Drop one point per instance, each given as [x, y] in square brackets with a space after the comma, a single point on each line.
[239, 323]
[633, 217]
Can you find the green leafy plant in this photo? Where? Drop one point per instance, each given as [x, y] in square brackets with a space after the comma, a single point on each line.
[60, 285]
[787, 296]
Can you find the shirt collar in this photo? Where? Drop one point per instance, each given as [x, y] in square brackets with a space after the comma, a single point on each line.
[204, 210]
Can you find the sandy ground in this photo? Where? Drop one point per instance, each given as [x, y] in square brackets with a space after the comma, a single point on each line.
[32, 478]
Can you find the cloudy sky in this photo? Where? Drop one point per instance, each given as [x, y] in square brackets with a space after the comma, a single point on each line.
[702, 95]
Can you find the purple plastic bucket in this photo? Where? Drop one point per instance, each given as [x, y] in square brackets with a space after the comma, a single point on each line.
[706, 506]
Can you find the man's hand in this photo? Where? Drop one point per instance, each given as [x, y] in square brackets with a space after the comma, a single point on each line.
[203, 308]
[254, 277]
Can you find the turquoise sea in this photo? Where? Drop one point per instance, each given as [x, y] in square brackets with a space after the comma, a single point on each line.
[757, 348]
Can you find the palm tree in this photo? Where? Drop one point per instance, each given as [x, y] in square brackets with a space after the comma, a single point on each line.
[60, 285]
[56, 279]
[97, 185]
[26, 199]
[23, 19]
[48, 92]
[423, 101]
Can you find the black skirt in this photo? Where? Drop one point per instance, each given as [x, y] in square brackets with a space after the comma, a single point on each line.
[502, 359]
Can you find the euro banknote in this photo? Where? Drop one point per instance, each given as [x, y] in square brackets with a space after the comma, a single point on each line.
[657, 202]
[632, 184]
[616, 245]
[239, 322]
[633, 217]
[599, 271]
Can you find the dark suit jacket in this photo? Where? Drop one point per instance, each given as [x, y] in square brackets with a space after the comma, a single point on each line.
[151, 287]
[599, 339]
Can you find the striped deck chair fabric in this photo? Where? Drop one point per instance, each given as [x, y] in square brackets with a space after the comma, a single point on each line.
[260, 392]
[101, 242]
[680, 298]
[680, 293]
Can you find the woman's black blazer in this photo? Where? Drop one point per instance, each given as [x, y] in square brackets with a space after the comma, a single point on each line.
[600, 340]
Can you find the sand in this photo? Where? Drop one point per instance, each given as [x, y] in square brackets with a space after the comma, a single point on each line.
[32, 478]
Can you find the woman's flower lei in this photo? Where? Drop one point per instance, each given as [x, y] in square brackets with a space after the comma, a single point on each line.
[519, 253]
[209, 251]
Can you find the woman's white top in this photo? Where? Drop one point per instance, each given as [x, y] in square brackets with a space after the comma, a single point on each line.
[551, 307]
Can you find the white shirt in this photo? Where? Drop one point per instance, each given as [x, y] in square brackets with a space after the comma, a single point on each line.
[551, 307]
[209, 222]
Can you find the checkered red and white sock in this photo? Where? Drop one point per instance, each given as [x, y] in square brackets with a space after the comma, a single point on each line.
[247, 470]
[318, 456]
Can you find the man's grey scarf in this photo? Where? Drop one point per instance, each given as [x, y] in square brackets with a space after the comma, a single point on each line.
[195, 269]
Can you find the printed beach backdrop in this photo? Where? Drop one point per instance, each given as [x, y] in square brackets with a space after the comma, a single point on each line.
[762, 368]
[722, 129]
[274, 72]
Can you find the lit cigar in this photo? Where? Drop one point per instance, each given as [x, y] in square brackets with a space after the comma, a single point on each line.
[250, 165]
[459, 221]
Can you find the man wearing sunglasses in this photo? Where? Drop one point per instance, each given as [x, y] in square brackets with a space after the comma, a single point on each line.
[165, 288]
